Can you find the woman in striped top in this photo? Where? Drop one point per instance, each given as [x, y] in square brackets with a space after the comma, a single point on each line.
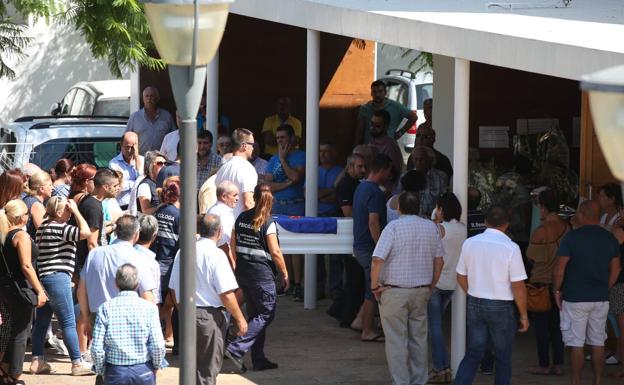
[57, 257]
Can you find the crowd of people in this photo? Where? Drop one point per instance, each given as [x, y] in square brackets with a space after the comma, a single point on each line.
[99, 249]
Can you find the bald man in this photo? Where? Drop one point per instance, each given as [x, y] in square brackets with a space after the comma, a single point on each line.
[150, 122]
[130, 164]
[227, 198]
[587, 266]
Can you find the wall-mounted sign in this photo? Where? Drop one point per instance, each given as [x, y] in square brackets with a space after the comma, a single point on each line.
[494, 137]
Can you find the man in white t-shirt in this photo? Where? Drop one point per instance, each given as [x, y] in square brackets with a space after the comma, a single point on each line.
[227, 198]
[239, 170]
[490, 270]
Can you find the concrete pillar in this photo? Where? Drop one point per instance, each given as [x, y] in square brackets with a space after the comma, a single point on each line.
[135, 90]
[313, 65]
[212, 99]
[443, 103]
[460, 188]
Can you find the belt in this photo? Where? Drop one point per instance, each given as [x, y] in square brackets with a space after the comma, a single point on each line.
[211, 307]
[289, 201]
[401, 287]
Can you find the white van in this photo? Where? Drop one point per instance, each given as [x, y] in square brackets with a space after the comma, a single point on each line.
[43, 140]
[100, 98]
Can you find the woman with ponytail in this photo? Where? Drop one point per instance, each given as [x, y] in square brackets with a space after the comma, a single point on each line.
[19, 252]
[258, 259]
[39, 191]
[61, 175]
[56, 240]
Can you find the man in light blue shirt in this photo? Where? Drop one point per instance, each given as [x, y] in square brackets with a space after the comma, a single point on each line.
[150, 122]
[128, 346]
[130, 164]
[97, 278]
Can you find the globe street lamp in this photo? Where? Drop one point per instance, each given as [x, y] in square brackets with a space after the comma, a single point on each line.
[606, 102]
[187, 34]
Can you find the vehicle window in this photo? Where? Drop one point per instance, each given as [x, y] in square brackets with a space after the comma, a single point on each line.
[97, 151]
[423, 92]
[87, 105]
[67, 101]
[397, 92]
[112, 107]
[79, 98]
[7, 149]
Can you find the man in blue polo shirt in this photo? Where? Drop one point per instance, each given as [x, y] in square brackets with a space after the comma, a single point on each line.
[588, 264]
[285, 174]
[369, 218]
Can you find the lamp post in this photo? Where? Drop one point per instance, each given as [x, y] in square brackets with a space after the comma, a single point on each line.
[187, 34]
[606, 102]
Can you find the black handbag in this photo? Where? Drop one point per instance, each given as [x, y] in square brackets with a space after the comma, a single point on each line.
[12, 289]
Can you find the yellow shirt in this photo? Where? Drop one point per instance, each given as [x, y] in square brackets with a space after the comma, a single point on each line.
[272, 122]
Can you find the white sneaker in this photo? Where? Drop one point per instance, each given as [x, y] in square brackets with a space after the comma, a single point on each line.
[58, 345]
[82, 369]
[86, 357]
[611, 360]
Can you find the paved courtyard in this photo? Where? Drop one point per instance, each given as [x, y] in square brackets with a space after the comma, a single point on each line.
[312, 350]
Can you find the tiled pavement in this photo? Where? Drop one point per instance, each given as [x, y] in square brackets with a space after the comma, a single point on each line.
[312, 350]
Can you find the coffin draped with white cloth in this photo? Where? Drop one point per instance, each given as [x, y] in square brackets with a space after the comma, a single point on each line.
[312, 235]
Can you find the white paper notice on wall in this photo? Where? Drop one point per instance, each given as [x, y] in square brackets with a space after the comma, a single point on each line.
[493, 136]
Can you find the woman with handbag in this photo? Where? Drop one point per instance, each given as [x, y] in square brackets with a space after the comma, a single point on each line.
[542, 252]
[56, 240]
[18, 253]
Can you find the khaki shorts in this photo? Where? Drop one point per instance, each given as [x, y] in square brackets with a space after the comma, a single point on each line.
[584, 323]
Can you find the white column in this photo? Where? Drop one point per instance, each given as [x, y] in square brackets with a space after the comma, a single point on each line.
[443, 102]
[212, 99]
[135, 90]
[313, 65]
[460, 188]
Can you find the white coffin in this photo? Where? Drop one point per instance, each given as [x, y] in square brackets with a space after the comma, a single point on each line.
[306, 243]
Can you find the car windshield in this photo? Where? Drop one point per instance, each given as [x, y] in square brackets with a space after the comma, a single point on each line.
[423, 92]
[112, 107]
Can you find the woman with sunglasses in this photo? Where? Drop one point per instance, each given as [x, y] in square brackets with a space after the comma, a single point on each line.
[56, 240]
[19, 252]
[143, 197]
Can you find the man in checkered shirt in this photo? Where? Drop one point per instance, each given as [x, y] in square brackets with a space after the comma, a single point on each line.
[407, 263]
[128, 346]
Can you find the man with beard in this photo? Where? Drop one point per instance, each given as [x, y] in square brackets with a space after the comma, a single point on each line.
[380, 140]
[396, 111]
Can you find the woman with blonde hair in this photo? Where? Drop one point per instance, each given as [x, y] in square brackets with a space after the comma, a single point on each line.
[56, 240]
[19, 252]
[39, 191]
[258, 258]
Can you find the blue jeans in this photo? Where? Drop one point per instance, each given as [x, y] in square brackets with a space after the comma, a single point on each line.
[365, 259]
[60, 301]
[438, 302]
[141, 374]
[493, 318]
[260, 302]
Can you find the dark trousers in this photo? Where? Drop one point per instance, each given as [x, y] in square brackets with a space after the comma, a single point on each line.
[347, 304]
[260, 302]
[548, 335]
[211, 327]
[21, 317]
[141, 374]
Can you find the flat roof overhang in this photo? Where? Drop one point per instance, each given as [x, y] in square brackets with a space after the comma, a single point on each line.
[565, 42]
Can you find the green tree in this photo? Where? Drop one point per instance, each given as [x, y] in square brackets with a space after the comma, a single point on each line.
[116, 30]
[12, 44]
